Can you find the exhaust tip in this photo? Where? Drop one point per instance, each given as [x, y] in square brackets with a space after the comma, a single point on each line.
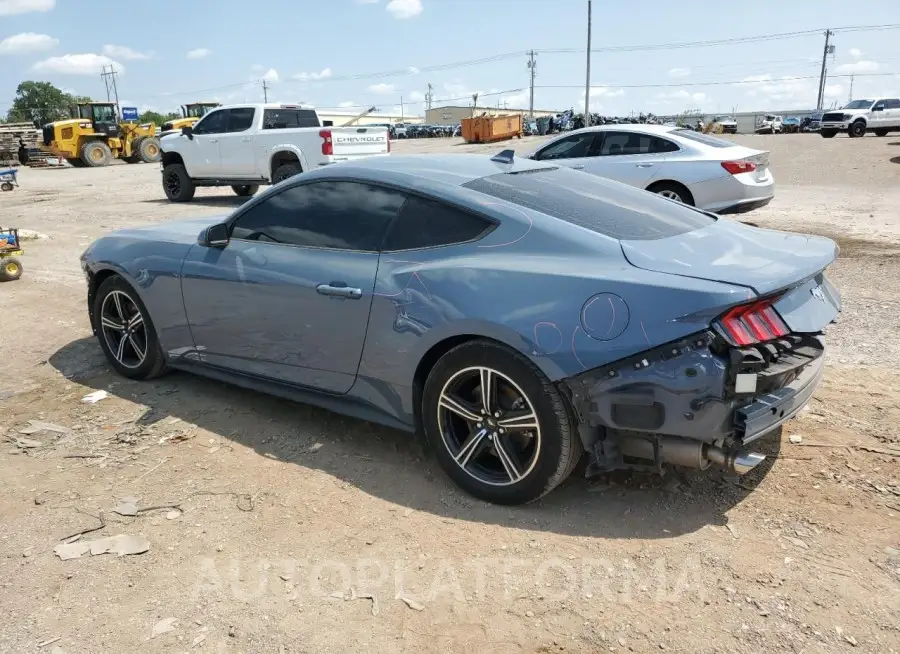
[744, 463]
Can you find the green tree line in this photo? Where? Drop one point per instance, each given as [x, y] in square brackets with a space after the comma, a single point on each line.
[41, 102]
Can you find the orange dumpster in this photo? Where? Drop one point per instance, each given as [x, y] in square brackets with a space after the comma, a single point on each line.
[485, 129]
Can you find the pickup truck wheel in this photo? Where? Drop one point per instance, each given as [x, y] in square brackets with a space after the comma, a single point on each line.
[827, 134]
[149, 149]
[286, 170]
[245, 190]
[96, 154]
[857, 129]
[881, 132]
[177, 184]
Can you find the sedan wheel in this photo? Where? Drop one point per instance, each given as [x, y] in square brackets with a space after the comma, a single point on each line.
[125, 331]
[497, 426]
[671, 194]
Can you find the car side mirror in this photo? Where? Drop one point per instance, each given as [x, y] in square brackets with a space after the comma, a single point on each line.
[214, 236]
[188, 131]
[878, 107]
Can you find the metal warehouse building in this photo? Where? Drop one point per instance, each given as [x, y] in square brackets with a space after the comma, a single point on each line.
[452, 115]
[338, 118]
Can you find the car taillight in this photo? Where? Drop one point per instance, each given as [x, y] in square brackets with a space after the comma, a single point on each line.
[327, 145]
[738, 167]
[753, 323]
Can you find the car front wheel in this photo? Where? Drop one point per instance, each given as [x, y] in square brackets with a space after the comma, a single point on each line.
[125, 331]
[498, 427]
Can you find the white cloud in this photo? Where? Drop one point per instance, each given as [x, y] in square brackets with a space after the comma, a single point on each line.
[515, 100]
[861, 66]
[13, 7]
[416, 96]
[382, 89]
[27, 42]
[325, 73]
[198, 53]
[856, 53]
[77, 64]
[769, 91]
[270, 75]
[679, 72]
[348, 104]
[606, 92]
[124, 52]
[413, 70]
[402, 9]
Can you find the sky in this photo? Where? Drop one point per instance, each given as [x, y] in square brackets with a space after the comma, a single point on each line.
[350, 54]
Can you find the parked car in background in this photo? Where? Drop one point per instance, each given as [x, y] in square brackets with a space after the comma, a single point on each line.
[811, 123]
[690, 167]
[790, 125]
[248, 145]
[728, 123]
[881, 116]
[769, 124]
[516, 313]
[398, 131]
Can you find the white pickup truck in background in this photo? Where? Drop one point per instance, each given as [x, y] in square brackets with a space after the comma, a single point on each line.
[247, 145]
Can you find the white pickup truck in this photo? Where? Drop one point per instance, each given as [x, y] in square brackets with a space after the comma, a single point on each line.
[246, 145]
[881, 116]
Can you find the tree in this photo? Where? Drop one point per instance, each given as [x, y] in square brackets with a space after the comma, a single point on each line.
[39, 101]
[156, 117]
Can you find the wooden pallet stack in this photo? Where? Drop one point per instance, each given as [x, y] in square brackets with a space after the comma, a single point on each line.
[11, 137]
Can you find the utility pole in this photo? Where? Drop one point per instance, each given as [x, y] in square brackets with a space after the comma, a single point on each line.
[829, 49]
[850, 97]
[401, 108]
[265, 91]
[531, 64]
[587, 80]
[429, 97]
[112, 89]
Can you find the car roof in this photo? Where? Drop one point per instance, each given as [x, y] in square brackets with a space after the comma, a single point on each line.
[646, 128]
[451, 169]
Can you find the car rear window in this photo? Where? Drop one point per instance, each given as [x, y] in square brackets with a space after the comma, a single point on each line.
[700, 137]
[594, 203]
[289, 118]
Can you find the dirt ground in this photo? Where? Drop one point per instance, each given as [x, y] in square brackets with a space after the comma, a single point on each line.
[275, 527]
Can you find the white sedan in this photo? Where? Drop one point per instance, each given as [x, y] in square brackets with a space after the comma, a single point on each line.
[694, 168]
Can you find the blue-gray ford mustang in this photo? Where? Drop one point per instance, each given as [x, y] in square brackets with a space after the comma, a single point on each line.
[514, 313]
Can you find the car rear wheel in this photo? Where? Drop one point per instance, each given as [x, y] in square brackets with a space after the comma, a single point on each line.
[881, 132]
[285, 171]
[857, 129]
[672, 191]
[245, 190]
[497, 426]
[827, 134]
[177, 184]
[125, 331]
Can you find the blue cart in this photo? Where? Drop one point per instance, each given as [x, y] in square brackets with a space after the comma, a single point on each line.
[8, 179]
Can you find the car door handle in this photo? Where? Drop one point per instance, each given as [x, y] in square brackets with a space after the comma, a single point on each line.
[339, 289]
[246, 138]
[578, 166]
[213, 140]
[645, 165]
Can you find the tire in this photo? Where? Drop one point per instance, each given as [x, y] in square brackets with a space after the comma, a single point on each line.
[286, 170]
[10, 269]
[148, 149]
[6, 186]
[857, 129]
[672, 191]
[96, 154]
[177, 184]
[827, 134]
[245, 190]
[881, 132]
[543, 460]
[114, 298]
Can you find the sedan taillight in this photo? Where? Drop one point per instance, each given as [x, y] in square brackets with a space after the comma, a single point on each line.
[738, 167]
[756, 322]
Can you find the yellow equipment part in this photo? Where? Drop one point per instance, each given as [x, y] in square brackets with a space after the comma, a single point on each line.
[190, 114]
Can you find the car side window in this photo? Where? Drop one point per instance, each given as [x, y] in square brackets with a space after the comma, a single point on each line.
[878, 106]
[215, 122]
[625, 143]
[568, 147]
[327, 214]
[240, 119]
[893, 103]
[427, 223]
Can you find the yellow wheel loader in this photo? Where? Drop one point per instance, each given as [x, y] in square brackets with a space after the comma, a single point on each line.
[190, 114]
[94, 137]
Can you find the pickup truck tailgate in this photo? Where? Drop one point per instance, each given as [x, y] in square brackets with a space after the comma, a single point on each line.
[358, 142]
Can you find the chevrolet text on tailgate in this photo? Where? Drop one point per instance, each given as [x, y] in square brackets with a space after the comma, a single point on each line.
[247, 145]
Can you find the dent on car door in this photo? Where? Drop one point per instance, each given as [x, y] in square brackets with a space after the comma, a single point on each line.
[288, 297]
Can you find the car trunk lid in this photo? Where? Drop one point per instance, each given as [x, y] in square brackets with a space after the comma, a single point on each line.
[765, 261]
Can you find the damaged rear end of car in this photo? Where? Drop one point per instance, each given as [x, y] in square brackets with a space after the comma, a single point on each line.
[704, 399]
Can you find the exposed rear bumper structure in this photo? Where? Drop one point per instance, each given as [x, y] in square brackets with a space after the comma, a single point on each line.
[693, 403]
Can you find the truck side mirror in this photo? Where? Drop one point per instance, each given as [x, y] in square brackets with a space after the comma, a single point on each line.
[188, 131]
